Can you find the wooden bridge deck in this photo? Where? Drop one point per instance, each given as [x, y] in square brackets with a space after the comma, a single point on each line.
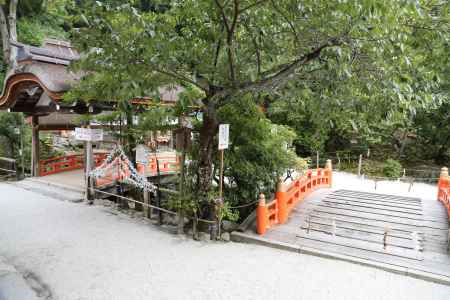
[353, 223]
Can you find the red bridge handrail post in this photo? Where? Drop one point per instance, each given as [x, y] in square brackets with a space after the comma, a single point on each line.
[444, 189]
[261, 215]
[329, 172]
[281, 198]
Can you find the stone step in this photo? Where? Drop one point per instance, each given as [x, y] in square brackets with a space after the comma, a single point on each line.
[53, 190]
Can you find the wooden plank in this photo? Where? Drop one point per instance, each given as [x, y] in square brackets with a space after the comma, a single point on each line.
[379, 230]
[379, 199]
[363, 236]
[377, 257]
[375, 211]
[362, 245]
[375, 201]
[370, 216]
[430, 223]
[379, 196]
[375, 206]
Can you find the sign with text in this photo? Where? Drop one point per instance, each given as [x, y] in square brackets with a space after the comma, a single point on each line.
[224, 136]
[88, 134]
[142, 154]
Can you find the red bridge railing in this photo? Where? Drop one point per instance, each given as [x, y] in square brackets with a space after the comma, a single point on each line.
[288, 195]
[444, 189]
[169, 163]
[65, 163]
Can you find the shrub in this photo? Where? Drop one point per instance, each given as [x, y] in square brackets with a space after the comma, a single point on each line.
[392, 168]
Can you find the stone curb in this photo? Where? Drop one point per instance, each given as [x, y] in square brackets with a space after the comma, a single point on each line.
[58, 185]
[423, 275]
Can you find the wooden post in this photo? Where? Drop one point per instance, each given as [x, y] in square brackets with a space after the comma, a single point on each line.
[35, 146]
[146, 201]
[385, 238]
[317, 159]
[359, 165]
[22, 154]
[329, 172]
[411, 184]
[261, 215]
[443, 182]
[281, 198]
[182, 178]
[221, 174]
[89, 167]
[158, 191]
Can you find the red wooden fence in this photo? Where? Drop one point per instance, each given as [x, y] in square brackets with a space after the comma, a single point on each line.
[169, 163]
[288, 195]
[66, 163]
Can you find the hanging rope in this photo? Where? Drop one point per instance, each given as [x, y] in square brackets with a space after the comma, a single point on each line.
[117, 158]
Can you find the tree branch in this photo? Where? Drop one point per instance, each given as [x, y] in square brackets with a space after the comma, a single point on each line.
[216, 56]
[294, 32]
[230, 48]
[181, 78]
[222, 13]
[257, 49]
[252, 5]
[282, 75]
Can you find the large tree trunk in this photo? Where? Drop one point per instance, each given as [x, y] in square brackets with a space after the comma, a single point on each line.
[207, 133]
[12, 17]
[5, 36]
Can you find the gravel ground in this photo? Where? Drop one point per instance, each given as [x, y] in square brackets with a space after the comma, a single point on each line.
[79, 252]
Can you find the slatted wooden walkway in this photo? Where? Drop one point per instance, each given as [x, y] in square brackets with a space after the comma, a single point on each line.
[355, 223]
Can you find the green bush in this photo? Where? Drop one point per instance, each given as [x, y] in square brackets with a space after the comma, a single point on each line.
[392, 168]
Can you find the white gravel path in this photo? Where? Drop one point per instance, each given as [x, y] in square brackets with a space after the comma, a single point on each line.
[88, 253]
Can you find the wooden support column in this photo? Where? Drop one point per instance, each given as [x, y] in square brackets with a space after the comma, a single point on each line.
[90, 165]
[147, 213]
[35, 146]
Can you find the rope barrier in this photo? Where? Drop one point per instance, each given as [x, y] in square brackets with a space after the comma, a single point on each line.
[136, 201]
[151, 206]
[8, 170]
[244, 205]
[6, 176]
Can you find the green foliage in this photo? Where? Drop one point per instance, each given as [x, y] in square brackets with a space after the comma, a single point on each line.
[392, 168]
[302, 164]
[225, 212]
[335, 71]
[46, 148]
[12, 130]
[33, 30]
[259, 150]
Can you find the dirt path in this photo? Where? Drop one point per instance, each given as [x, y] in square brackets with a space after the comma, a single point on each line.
[82, 252]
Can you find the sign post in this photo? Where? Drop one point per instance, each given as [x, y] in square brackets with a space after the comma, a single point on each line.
[224, 136]
[89, 135]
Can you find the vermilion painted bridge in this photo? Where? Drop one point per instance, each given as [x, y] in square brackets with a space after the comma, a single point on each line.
[68, 169]
[402, 234]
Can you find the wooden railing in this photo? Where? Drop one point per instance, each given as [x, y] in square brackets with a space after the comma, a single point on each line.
[288, 195]
[444, 189]
[169, 163]
[65, 163]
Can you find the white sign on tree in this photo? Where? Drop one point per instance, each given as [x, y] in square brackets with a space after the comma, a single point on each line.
[224, 136]
[88, 134]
